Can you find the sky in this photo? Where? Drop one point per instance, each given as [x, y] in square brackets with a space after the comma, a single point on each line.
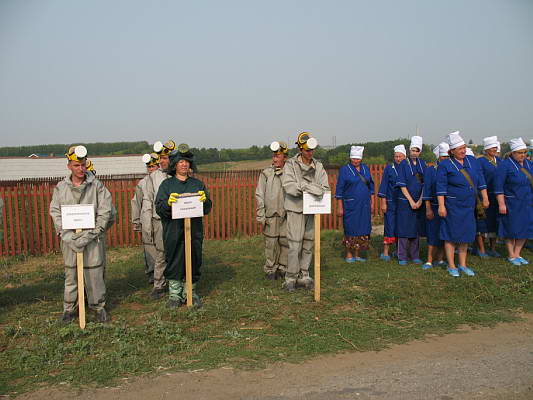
[239, 73]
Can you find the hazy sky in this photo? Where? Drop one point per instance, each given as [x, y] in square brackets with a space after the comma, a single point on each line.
[238, 73]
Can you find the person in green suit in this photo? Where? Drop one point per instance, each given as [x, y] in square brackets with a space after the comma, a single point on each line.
[180, 182]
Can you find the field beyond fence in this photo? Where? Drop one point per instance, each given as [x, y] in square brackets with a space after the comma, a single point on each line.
[28, 228]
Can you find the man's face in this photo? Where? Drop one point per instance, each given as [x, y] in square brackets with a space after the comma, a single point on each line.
[398, 157]
[182, 167]
[307, 154]
[77, 168]
[278, 160]
[163, 162]
[152, 168]
[414, 152]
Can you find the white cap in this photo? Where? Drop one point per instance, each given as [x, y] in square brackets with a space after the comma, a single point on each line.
[357, 152]
[80, 151]
[531, 144]
[416, 141]
[517, 144]
[498, 147]
[469, 152]
[455, 140]
[146, 158]
[490, 142]
[400, 149]
[441, 150]
[158, 146]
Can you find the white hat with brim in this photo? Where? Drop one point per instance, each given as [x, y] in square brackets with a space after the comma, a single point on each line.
[356, 152]
[400, 149]
[416, 141]
[517, 144]
[490, 142]
[455, 140]
[441, 150]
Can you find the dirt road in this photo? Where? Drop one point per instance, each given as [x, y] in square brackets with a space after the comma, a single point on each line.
[486, 363]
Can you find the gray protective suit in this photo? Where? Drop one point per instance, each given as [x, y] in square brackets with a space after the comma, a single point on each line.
[144, 226]
[90, 242]
[270, 212]
[152, 230]
[298, 178]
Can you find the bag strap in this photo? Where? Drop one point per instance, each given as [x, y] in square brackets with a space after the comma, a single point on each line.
[493, 162]
[528, 175]
[363, 179]
[469, 179]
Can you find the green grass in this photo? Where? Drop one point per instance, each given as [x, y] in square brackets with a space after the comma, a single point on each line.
[246, 321]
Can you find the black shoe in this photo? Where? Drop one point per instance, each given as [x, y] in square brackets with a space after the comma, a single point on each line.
[171, 303]
[279, 274]
[270, 276]
[157, 293]
[102, 316]
[307, 284]
[67, 317]
[289, 286]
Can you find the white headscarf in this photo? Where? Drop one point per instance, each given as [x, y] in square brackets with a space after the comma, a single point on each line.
[357, 152]
[455, 140]
[400, 149]
[416, 141]
[517, 144]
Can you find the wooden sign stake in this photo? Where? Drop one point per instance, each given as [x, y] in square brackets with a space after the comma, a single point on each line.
[317, 257]
[188, 261]
[81, 287]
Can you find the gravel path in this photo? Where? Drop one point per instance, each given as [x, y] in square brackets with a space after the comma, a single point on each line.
[486, 363]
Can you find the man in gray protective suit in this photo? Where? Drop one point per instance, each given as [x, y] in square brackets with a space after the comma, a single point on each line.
[81, 187]
[302, 173]
[141, 216]
[271, 214]
[149, 213]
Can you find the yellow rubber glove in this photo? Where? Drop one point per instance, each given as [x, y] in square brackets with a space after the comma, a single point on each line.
[172, 198]
[203, 197]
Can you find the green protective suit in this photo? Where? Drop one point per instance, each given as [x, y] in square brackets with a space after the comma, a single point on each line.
[173, 229]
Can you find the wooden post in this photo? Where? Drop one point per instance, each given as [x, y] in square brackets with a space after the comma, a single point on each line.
[188, 261]
[81, 287]
[317, 257]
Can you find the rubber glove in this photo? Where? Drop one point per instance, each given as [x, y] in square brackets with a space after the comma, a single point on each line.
[172, 198]
[203, 197]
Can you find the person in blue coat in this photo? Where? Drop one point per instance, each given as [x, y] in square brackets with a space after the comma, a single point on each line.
[388, 192]
[435, 244]
[458, 181]
[488, 227]
[514, 190]
[408, 212]
[354, 192]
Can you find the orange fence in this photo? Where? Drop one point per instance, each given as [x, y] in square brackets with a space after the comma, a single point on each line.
[28, 229]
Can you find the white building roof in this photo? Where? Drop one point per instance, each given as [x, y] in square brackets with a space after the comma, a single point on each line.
[16, 168]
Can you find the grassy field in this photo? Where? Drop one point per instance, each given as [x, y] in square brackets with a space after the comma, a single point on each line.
[235, 165]
[246, 321]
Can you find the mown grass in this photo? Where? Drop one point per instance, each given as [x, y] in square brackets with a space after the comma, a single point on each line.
[246, 321]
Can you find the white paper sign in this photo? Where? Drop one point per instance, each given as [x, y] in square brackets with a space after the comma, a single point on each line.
[77, 216]
[187, 207]
[317, 205]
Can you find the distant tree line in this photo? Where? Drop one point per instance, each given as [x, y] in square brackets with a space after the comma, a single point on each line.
[375, 152]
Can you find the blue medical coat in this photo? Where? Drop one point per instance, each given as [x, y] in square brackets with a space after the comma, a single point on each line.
[410, 223]
[514, 185]
[389, 191]
[430, 194]
[490, 224]
[459, 226]
[356, 199]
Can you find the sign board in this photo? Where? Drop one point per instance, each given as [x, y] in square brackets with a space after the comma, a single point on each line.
[77, 216]
[317, 205]
[188, 206]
